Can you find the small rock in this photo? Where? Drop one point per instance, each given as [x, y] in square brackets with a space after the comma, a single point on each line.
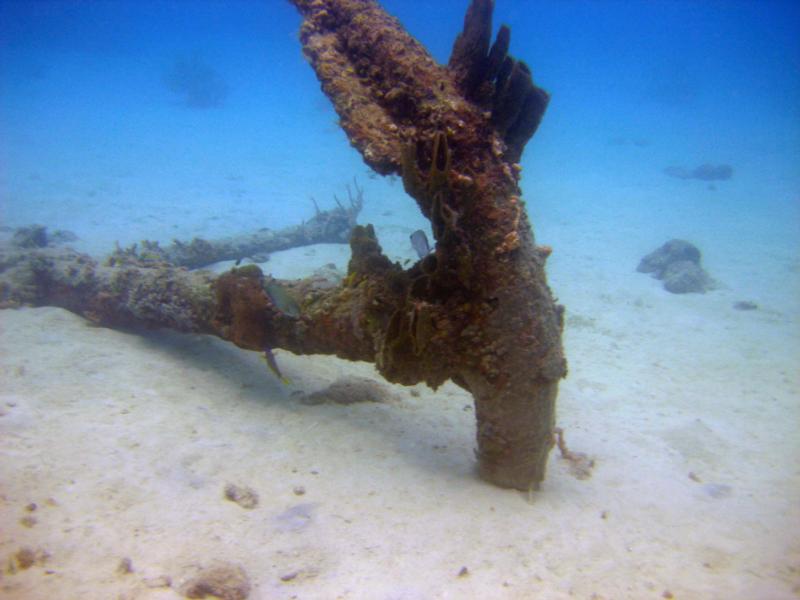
[243, 496]
[670, 252]
[685, 277]
[745, 305]
[25, 557]
[677, 264]
[125, 566]
[225, 581]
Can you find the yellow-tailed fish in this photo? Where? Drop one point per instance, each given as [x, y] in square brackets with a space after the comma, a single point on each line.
[273, 366]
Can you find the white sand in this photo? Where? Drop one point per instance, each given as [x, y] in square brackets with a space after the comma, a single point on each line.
[121, 445]
[125, 444]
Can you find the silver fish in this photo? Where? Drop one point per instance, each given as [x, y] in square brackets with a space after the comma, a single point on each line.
[420, 242]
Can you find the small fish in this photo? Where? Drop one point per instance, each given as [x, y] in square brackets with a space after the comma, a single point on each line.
[420, 242]
[282, 299]
[273, 366]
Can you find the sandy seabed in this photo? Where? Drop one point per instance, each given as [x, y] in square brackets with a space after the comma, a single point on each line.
[118, 448]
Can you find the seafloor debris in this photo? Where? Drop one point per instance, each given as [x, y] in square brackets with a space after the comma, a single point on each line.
[677, 264]
[331, 226]
[224, 581]
[25, 558]
[580, 464]
[244, 496]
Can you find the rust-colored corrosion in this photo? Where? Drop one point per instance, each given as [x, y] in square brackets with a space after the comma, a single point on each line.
[477, 310]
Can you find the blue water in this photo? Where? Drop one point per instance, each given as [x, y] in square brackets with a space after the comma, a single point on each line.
[95, 139]
[88, 123]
